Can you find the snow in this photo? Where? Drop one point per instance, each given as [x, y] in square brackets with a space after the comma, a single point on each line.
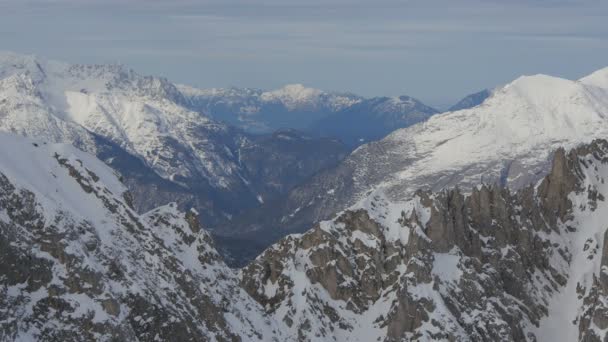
[292, 95]
[585, 245]
[144, 246]
[34, 166]
[445, 266]
[60, 102]
[508, 139]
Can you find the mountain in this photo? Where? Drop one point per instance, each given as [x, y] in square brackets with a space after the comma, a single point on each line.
[293, 106]
[471, 100]
[372, 119]
[508, 140]
[143, 126]
[490, 265]
[77, 263]
[350, 118]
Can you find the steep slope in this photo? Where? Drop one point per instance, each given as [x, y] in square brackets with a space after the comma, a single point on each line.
[144, 128]
[491, 265]
[507, 140]
[258, 111]
[372, 119]
[77, 263]
[472, 100]
[283, 159]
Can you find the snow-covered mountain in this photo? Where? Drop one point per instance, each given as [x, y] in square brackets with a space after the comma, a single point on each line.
[508, 139]
[372, 119]
[143, 126]
[292, 106]
[492, 265]
[517, 251]
[77, 263]
[471, 100]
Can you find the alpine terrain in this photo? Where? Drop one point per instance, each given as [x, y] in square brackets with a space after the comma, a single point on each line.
[78, 263]
[507, 140]
[352, 119]
[481, 224]
[145, 128]
[259, 111]
[372, 119]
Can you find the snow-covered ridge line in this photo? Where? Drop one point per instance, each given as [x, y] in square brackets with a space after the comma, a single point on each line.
[508, 139]
[80, 264]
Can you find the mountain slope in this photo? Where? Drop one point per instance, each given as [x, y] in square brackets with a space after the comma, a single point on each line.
[372, 119]
[491, 265]
[143, 126]
[258, 111]
[471, 100]
[507, 140]
[77, 263]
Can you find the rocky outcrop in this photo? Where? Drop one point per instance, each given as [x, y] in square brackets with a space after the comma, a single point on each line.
[508, 140]
[77, 263]
[488, 265]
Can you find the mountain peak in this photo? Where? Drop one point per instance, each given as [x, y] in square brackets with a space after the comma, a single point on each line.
[598, 78]
[292, 94]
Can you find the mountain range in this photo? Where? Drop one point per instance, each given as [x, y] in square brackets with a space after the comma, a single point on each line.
[78, 263]
[507, 140]
[126, 207]
[310, 110]
[143, 127]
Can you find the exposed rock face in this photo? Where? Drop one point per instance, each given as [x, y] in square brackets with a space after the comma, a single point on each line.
[259, 111]
[508, 140]
[144, 127]
[77, 263]
[490, 265]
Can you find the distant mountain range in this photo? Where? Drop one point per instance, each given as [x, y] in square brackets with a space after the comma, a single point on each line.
[258, 111]
[507, 140]
[143, 127]
[353, 119]
[486, 223]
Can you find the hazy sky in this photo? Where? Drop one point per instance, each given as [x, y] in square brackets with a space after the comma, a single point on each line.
[437, 51]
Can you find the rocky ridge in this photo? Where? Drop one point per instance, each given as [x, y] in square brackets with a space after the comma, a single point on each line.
[77, 263]
[143, 127]
[489, 265]
[507, 140]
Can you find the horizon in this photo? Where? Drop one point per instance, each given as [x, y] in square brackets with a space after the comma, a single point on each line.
[280, 87]
[435, 51]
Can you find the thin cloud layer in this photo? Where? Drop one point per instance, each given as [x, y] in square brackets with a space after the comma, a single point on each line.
[435, 50]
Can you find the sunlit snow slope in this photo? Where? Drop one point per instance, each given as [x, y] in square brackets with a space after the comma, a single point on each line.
[507, 140]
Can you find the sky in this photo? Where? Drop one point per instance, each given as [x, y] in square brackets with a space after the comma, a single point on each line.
[435, 50]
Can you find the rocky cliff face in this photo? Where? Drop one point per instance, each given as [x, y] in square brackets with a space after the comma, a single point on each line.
[145, 128]
[489, 265]
[372, 119]
[77, 263]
